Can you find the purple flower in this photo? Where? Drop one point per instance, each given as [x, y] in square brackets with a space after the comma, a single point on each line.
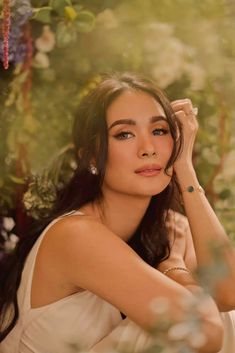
[21, 11]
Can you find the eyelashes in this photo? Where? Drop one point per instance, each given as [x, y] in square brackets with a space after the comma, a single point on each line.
[160, 132]
[125, 135]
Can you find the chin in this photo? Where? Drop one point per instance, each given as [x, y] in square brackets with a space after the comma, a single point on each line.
[154, 190]
[150, 192]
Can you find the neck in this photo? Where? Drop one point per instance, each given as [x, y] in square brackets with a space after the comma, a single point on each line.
[122, 214]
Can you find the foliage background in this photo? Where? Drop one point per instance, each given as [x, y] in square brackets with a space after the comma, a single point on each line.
[187, 46]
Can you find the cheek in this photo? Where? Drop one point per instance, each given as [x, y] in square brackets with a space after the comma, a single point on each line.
[118, 154]
[165, 148]
[170, 145]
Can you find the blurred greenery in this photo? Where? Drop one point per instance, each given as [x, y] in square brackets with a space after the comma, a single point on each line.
[187, 46]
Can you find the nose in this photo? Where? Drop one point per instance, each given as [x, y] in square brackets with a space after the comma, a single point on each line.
[146, 148]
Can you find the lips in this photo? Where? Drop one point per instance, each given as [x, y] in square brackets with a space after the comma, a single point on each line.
[149, 168]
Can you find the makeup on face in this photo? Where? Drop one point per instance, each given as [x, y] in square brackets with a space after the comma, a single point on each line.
[160, 127]
[152, 120]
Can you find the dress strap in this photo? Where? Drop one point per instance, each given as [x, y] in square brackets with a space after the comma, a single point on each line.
[27, 275]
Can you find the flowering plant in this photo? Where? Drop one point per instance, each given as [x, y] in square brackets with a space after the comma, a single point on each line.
[15, 15]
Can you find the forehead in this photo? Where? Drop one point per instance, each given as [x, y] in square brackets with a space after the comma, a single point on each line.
[133, 105]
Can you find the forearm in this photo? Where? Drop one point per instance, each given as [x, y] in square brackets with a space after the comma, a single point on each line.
[204, 224]
[207, 232]
[204, 308]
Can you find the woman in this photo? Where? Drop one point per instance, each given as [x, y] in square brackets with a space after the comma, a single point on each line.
[96, 260]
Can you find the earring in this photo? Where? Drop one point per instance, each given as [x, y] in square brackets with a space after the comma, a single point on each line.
[93, 170]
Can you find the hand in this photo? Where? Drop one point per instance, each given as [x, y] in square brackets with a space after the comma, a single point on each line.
[186, 114]
[177, 238]
[180, 249]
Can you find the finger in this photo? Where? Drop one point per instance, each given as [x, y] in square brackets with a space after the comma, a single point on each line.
[181, 101]
[185, 105]
[187, 119]
[188, 110]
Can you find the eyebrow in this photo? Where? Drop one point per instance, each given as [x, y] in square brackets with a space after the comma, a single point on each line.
[152, 120]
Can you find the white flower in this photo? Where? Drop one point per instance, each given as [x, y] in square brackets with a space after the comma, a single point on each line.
[4, 234]
[180, 331]
[8, 223]
[11, 242]
[159, 29]
[159, 305]
[46, 42]
[210, 154]
[197, 76]
[197, 339]
[107, 19]
[228, 171]
[164, 53]
[41, 60]
[73, 165]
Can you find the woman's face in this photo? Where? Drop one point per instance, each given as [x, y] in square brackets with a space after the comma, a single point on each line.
[139, 145]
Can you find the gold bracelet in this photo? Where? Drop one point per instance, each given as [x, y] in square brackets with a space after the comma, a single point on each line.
[176, 268]
[192, 188]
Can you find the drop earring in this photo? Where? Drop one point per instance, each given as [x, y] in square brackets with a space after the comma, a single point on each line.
[93, 170]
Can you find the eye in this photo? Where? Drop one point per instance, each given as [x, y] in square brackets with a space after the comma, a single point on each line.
[124, 135]
[160, 132]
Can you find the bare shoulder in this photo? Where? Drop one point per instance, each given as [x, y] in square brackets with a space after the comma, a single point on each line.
[83, 242]
[80, 228]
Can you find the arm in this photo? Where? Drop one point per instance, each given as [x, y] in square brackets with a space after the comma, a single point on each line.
[92, 257]
[205, 226]
[182, 255]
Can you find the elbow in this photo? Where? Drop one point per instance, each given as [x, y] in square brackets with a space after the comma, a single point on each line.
[225, 300]
[217, 341]
[225, 307]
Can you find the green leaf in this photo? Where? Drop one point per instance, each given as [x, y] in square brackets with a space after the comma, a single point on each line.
[43, 14]
[30, 124]
[59, 5]
[77, 7]
[85, 21]
[17, 180]
[65, 34]
[225, 194]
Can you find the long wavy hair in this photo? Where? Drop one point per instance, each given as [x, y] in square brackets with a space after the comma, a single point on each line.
[90, 139]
